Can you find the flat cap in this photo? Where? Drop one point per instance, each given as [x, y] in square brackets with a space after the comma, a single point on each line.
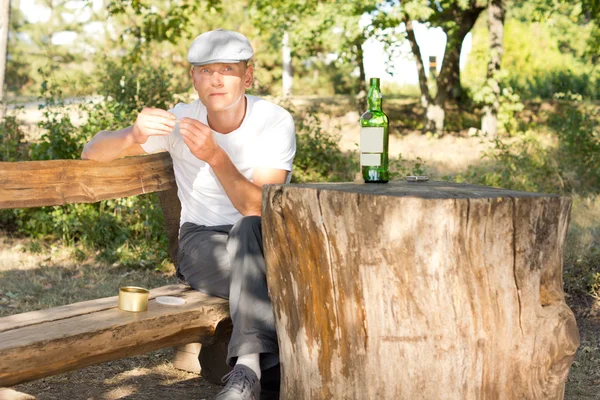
[219, 46]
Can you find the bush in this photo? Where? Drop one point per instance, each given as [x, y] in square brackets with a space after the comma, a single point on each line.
[566, 161]
[521, 163]
[12, 139]
[318, 156]
[577, 127]
[537, 61]
[128, 230]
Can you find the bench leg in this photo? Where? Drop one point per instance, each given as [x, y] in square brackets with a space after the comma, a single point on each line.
[186, 357]
[10, 394]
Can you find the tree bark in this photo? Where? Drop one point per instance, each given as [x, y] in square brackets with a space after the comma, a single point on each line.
[362, 77]
[434, 113]
[56, 182]
[4, 27]
[448, 82]
[496, 12]
[426, 98]
[287, 73]
[418, 291]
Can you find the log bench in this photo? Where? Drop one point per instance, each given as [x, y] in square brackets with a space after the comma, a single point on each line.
[47, 342]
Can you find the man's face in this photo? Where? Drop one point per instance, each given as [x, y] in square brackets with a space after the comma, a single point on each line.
[221, 86]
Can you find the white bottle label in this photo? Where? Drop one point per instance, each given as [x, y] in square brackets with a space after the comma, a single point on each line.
[370, 160]
[371, 140]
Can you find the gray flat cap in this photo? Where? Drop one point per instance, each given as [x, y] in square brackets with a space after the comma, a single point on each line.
[219, 46]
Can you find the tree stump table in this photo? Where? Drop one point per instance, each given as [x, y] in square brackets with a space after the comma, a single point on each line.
[428, 290]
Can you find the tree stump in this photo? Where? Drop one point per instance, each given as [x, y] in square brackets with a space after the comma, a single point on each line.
[428, 290]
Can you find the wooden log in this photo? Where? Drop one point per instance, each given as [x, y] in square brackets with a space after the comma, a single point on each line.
[418, 291]
[48, 183]
[10, 394]
[79, 335]
[171, 209]
[186, 357]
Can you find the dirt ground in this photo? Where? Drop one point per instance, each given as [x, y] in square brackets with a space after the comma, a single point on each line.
[150, 377]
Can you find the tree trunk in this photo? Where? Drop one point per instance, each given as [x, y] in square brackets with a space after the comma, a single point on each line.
[287, 73]
[418, 291]
[434, 113]
[448, 82]
[362, 78]
[4, 27]
[426, 98]
[496, 11]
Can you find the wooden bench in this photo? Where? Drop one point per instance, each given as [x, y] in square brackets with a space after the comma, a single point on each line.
[48, 342]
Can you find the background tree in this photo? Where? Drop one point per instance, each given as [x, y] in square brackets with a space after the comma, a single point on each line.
[496, 12]
[4, 18]
[456, 18]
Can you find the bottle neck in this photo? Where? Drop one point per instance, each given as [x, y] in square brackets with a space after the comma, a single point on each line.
[374, 98]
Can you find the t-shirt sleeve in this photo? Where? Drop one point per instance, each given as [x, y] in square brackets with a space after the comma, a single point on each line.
[156, 144]
[278, 144]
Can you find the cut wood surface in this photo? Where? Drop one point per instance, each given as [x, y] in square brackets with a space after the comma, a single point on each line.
[428, 290]
[47, 183]
[16, 321]
[83, 334]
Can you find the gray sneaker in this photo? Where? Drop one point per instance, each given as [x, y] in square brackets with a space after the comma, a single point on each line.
[242, 384]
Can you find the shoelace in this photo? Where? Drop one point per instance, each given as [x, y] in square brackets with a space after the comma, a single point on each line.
[238, 379]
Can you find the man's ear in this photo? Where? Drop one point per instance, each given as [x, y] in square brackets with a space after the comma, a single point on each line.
[248, 77]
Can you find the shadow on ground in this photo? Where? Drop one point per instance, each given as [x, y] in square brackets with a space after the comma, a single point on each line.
[146, 377]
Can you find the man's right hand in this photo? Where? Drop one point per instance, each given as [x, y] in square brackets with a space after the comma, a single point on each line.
[152, 122]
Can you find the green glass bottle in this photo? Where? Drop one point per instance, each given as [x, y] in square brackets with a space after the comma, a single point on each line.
[374, 138]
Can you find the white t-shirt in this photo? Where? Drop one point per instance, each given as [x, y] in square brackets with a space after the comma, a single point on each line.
[266, 138]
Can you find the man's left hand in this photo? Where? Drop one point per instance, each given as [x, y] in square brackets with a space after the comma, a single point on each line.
[199, 139]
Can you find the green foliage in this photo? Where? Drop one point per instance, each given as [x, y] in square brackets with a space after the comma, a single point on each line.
[520, 163]
[325, 79]
[128, 88]
[60, 140]
[566, 161]
[400, 167]
[540, 59]
[577, 126]
[509, 101]
[33, 45]
[12, 139]
[318, 156]
[129, 230]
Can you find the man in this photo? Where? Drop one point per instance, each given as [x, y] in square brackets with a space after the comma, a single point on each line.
[225, 146]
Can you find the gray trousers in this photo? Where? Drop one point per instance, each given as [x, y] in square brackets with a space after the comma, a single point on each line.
[227, 261]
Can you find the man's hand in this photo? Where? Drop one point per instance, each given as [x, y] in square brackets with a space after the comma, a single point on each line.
[199, 139]
[152, 122]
